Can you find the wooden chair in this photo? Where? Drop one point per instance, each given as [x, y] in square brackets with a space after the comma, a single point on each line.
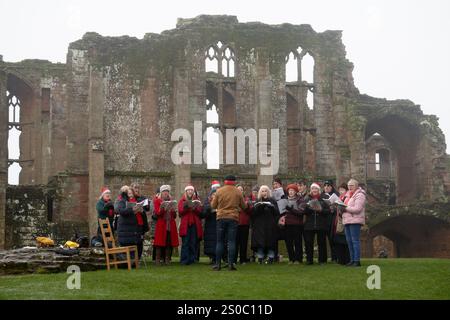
[111, 249]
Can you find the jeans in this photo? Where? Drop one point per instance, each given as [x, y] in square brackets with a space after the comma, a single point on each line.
[260, 253]
[226, 229]
[352, 234]
[189, 246]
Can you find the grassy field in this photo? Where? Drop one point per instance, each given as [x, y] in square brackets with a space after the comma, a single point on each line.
[400, 279]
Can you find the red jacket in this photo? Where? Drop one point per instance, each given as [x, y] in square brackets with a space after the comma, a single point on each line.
[189, 217]
[161, 226]
[244, 215]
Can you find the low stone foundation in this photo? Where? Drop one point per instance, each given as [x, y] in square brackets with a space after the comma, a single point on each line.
[40, 260]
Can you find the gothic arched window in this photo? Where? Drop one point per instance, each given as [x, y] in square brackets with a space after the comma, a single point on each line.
[220, 59]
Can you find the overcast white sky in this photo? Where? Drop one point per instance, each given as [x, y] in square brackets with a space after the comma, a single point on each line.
[401, 49]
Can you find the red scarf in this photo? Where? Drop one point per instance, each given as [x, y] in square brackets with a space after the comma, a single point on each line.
[315, 197]
[191, 215]
[348, 196]
[139, 218]
[110, 211]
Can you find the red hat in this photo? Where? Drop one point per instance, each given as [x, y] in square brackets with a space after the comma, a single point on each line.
[292, 186]
[189, 186]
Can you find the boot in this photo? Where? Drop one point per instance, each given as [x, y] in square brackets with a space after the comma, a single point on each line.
[158, 257]
[232, 267]
[270, 261]
[168, 257]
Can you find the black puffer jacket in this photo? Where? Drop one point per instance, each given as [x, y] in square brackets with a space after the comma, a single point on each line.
[316, 220]
[128, 230]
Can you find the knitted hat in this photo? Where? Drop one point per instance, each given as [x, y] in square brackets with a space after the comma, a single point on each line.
[189, 187]
[328, 182]
[230, 179]
[164, 187]
[292, 186]
[315, 185]
[215, 184]
[255, 188]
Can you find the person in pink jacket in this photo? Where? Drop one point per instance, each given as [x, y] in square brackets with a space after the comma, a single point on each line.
[353, 218]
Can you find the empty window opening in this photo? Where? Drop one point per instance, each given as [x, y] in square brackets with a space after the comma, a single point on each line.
[220, 58]
[307, 68]
[212, 137]
[377, 161]
[14, 131]
[291, 68]
[310, 99]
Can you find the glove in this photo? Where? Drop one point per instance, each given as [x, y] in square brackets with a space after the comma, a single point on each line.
[109, 206]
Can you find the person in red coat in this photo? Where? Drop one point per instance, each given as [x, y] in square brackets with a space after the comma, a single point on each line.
[191, 232]
[166, 235]
[243, 229]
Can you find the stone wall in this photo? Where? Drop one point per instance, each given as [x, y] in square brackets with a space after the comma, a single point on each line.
[106, 117]
[34, 211]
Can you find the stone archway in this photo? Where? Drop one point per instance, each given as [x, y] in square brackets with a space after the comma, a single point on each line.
[412, 236]
[404, 139]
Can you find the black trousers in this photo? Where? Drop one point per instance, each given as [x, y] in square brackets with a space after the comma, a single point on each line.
[309, 236]
[294, 242]
[342, 253]
[332, 246]
[242, 243]
[140, 247]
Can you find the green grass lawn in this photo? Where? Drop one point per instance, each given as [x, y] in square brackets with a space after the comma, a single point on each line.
[400, 279]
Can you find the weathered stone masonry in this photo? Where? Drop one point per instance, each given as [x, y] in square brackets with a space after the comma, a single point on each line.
[105, 117]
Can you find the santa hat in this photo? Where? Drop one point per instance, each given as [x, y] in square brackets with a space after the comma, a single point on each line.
[315, 185]
[105, 190]
[164, 187]
[189, 187]
[215, 184]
